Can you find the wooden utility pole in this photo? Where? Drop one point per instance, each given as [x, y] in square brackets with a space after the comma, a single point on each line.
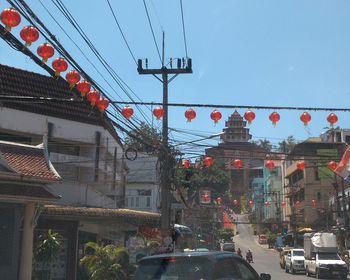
[184, 66]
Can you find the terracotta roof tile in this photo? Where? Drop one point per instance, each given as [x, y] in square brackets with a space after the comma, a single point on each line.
[127, 215]
[18, 82]
[27, 160]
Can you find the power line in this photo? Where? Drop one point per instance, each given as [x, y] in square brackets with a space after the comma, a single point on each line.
[183, 27]
[121, 31]
[150, 24]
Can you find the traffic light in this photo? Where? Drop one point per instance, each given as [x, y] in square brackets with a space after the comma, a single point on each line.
[199, 235]
[285, 231]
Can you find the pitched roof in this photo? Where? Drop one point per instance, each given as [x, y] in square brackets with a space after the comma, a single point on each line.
[27, 160]
[25, 191]
[18, 82]
[127, 215]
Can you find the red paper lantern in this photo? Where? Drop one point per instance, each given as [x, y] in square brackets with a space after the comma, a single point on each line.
[305, 118]
[332, 119]
[60, 65]
[158, 112]
[332, 165]
[237, 163]
[29, 34]
[267, 203]
[215, 116]
[274, 117]
[208, 161]
[283, 203]
[219, 200]
[190, 114]
[72, 77]
[313, 202]
[235, 202]
[83, 87]
[269, 164]
[93, 96]
[127, 112]
[102, 104]
[185, 163]
[301, 165]
[206, 197]
[249, 116]
[45, 51]
[220, 207]
[11, 18]
[297, 203]
[251, 203]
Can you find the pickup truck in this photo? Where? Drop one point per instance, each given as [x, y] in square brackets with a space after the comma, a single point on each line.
[294, 261]
[321, 256]
[326, 264]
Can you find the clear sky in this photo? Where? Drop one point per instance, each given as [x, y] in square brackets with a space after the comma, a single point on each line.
[244, 52]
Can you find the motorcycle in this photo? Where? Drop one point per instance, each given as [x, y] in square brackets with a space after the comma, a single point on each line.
[249, 259]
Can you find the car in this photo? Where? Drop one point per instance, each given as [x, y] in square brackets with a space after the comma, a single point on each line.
[294, 261]
[283, 254]
[262, 239]
[197, 266]
[229, 246]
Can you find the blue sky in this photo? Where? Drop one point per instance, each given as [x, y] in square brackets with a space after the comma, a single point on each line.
[244, 52]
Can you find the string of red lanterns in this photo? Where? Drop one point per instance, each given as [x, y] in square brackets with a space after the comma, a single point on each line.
[29, 34]
[190, 114]
[127, 112]
[215, 116]
[93, 96]
[158, 112]
[72, 77]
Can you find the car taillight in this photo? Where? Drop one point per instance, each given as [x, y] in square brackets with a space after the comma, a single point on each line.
[170, 259]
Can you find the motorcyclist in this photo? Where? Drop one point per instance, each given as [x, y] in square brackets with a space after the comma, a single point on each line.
[249, 256]
[239, 252]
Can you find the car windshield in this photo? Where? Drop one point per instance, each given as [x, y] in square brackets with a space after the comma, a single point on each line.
[332, 256]
[173, 268]
[298, 253]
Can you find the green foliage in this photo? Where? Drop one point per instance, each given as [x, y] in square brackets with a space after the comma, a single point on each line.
[47, 251]
[149, 135]
[286, 146]
[224, 233]
[271, 238]
[105, 262]
[48, 248]
[265, 144]
[212, 177]
[150, 246]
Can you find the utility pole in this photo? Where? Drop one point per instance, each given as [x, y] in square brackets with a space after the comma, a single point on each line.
[184, 66]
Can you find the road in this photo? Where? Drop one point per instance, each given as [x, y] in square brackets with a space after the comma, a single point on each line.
[265, 260]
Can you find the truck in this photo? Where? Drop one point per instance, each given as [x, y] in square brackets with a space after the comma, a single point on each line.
[321, 256]
[294, 261]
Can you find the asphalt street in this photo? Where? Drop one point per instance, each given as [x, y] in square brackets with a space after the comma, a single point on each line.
[265, 260]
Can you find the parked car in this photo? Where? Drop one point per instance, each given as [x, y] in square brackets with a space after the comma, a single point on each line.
[262, 239]
[197, 266]
[294, 261]
[283, 254]
[229, 246]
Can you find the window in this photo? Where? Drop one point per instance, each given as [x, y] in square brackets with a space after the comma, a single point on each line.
[246, 272]
[138, 198]
[225, 269]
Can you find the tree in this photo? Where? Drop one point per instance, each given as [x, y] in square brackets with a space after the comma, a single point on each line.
[224, 233]
[105, 262]
[150, 246]
[265, 144]
[286, 146]
[149, 135]
[47, 251]
[208, 177]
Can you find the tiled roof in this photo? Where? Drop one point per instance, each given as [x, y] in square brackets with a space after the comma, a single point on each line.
[26, 191]
[127, 215]
[27, 160]
[18, 82]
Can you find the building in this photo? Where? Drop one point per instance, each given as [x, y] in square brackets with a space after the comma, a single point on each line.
[86, 151]
[142, 189]
[25, 174]
[307, 191]
[235, 145]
